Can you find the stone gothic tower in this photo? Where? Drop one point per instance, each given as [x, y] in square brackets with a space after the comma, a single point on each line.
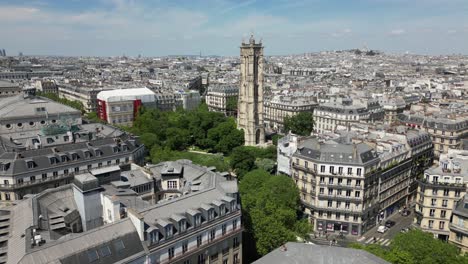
[250, 115]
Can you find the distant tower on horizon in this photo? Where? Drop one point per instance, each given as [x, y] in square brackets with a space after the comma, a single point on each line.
[250, 115]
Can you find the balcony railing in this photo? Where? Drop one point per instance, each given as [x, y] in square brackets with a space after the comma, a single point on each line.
[41, 180]
[199, 248]
[303, 168]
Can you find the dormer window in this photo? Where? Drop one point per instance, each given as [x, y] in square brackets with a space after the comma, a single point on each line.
[168, 231]
[153, 237]
[53, 160]
[182, 226]
[98, 153]
[124, 147]
[31, 164]
[197, 220]
[210, 214]
[64, 158]
[75, 156]
[233, 206]
[116, 149]
[88, 154]
[222, 209]
[4, 167]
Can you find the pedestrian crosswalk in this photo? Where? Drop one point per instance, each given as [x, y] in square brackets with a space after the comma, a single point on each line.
[381, 241]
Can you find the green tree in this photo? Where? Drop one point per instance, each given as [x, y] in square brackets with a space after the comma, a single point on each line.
[270, 209]
[231, 104]
[266, 164]
[241, 161]
[417, 247]
[149, 139]
[301, 124]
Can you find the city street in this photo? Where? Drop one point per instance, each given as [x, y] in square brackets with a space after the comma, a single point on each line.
[385, 238]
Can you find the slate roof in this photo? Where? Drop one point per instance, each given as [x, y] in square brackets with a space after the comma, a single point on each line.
[301, 253]
[335, 152]
[18, 107]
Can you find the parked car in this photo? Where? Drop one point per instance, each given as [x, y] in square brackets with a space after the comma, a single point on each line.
[382, 229]
[389, 223]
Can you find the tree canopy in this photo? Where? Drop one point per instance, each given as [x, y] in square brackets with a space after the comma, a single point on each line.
[270, 206]
[75, 104]
[246, 158]
[181, 129]
[417, 247]
[301, 124]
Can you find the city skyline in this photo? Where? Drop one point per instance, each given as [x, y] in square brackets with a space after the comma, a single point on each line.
[215, 27]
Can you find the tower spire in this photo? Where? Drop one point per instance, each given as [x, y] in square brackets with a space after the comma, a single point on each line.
[250, 116]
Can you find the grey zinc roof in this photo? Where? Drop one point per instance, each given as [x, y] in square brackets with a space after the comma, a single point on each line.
[212, 187]
[335, 152]
[301, 253]
[18, 106]
[5, 84]
[461, 208]
[73, 247]
[135, 177]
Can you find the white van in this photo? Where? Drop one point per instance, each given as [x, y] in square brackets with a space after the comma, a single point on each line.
[382, 229]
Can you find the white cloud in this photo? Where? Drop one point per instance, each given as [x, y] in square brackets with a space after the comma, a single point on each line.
[397, 32]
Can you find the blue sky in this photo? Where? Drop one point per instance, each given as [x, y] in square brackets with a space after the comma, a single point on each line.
[164, 27]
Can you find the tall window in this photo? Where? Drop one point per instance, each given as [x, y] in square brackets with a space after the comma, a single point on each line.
[431, 223]
[170, 252]
[359, 171]
[199, 240]
[444, 203]
[441, 225]
[201, 259]
[172, 184]
[212, 234]
[340, 170]
[350, 171]
[322, 168]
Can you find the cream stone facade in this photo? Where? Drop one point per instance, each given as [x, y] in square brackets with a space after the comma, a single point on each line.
[250, 115]
[438, 193]
[459, 225]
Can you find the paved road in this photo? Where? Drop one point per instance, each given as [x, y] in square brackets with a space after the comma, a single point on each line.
[385, 238]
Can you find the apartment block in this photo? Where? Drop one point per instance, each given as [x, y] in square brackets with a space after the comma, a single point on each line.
[350, 183]
[90, 221]
[439, 191]
[276, 109]
[459, 225]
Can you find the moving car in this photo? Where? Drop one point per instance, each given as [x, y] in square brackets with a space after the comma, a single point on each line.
[404, 230]
[389, 223]
[382, 229]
